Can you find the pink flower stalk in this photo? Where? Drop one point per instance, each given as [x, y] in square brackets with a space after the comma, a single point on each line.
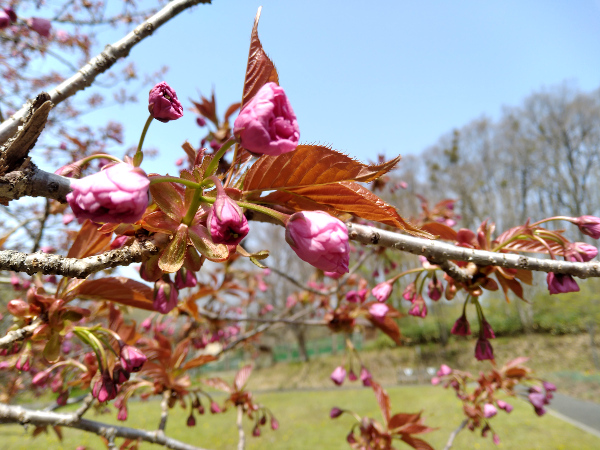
[163, 104]
[483, 349]
[589, 225]
[338, 375]
[444, 370]
[320, 240]
[489, 410]
[335, 413]
[382, 291]
[435, 289]
[267, 124]
[104, 388]
[486, 330]
[117, 194]
[132, 358]
[226, 220]
[378, 310]
[40, 26]
[356, 296]
[165, 296]
[185, 278]
[559, 283]
[461, 327]
[365, 376]
[505, 406]
[580, 252]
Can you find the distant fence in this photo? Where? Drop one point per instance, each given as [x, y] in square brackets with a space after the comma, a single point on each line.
[286, 352]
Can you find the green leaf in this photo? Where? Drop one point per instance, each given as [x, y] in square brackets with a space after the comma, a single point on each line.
[202, 241]
[172, 258]
[169, 199]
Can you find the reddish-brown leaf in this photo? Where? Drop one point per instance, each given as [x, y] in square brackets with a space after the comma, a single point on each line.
[416, 443]
[89, 241]
[159, 222]
[441, 230]
[526, 276]
[383, 399]
[242, 377]
[401, 419]
[217, 383]
[232, 108]
[310, 165]
[198, 361]
[168, 198]
[208, 108]
[298, 203]
[513, 285]
[119, 290]
[389, 327]
[260, 69]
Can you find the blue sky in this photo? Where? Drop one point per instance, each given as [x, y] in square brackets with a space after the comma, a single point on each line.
[384, 76]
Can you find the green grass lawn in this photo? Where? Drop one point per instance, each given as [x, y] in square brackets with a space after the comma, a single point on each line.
[305, 423]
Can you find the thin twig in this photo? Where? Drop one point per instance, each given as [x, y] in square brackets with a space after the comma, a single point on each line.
[240, 426]
[101, 62]
[20, 415]
[454, 433]
[19, 334]
[164, 410]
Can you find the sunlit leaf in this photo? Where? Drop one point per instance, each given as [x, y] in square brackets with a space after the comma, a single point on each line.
[242, 377]
[217, 383]
[198, 361]
[169, 199]
[310, 165]
[52, 349]
[203, 243]
[171, 259]
[260, 70]
[383, 399]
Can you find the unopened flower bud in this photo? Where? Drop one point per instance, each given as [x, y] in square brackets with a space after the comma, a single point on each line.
[163, 103]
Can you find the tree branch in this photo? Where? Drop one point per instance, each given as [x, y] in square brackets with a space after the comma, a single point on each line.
[72, 267]
[29, 181]
[17, 414]
[101, 62]
[454, 434]
[438, 251]
[240, 427]
[19, 334]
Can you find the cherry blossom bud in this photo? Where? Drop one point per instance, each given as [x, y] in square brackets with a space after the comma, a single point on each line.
[274, 424]
[41, 378]
[226, 220]
[23, 363]
[120, 375]
[18, 308]
[104, 388]
[256, 431]
[505, 406]
[11, 14]
[338, 375]
[4, 20]
[483, 349]
[435, 289]
[132, 358]
[487, 330]
[200, 121]
[489, 410]
[185, 278]
[559, 283]
[410, 292]
[419, 308]
[382, 291]
[435, 381]
[119, 242]
[356, 296]
[146, 324]
[163, 104]
[191, 421]
[365, 376]
[122, 415]
[214, 408]
[62, 398]
[40, 26]
[267, 124]
[461, 327]
[319, 239]
[589, 225]
[444, 370]
[118, 194]
[335, 413]
[165, 295]
[496, 439]
[378, 311]
[550, 387]
[352, 376]
[580, 252]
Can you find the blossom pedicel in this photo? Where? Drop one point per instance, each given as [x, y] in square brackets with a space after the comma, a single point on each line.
[117, 194]
[267, 124]
[320, 240]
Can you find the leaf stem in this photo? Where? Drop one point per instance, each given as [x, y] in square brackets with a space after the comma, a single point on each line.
[139, 156]
[214, 163]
